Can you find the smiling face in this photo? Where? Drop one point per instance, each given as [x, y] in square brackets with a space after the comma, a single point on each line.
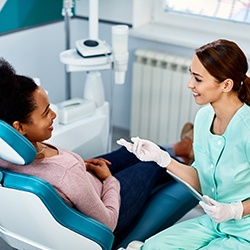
[206, 89]
[39, 128]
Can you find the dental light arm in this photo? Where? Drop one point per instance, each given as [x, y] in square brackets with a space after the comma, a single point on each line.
[93, 19]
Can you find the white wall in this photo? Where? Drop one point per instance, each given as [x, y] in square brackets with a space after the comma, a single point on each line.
[133, 12]
[35, 52]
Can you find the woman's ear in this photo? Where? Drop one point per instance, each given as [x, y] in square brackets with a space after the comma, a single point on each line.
[227, 85]
[18, 126]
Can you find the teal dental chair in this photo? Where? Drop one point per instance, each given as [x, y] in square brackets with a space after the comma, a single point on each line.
[33, 216]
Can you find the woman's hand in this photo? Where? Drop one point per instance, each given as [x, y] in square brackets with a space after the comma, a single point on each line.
[146, 150]
[99, 167]
[220, 212]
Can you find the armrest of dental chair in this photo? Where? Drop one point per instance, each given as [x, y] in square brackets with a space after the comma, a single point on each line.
[30, 201]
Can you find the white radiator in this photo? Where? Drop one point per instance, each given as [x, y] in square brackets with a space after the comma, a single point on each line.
[161, 101]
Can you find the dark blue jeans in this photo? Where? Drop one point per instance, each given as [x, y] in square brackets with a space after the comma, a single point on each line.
[137, 179]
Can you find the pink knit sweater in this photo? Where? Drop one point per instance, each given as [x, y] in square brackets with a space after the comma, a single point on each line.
[67, 173]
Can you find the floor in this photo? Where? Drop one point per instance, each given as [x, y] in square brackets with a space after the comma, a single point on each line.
[117, 134]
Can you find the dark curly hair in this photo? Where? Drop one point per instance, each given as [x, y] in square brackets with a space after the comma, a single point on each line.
[16, 95]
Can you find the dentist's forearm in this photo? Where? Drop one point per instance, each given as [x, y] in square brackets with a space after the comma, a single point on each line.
[186, 173]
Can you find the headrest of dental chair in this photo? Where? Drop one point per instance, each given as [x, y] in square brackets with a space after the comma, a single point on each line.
[14, 147]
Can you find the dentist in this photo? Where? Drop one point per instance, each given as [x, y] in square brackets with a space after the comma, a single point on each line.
[221, 170]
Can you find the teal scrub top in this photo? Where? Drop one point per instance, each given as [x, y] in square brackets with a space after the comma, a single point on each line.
[223, 166]
[223, 162]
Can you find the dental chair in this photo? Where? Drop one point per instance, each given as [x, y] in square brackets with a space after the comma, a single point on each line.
[33, 216]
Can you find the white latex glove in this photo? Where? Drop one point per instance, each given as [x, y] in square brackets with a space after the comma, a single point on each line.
[146, 150]
[220, 212]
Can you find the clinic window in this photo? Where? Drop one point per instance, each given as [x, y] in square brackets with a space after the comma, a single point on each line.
[231, 10]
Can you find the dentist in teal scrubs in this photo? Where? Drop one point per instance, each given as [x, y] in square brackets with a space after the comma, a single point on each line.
[221, 169]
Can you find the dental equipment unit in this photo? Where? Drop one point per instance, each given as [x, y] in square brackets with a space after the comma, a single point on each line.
[88, 121]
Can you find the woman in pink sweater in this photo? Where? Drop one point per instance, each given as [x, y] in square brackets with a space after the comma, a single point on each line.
[111, 189]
